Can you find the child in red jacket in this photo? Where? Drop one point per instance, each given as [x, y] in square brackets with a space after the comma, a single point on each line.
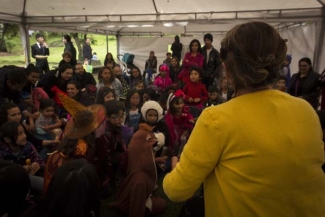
[195, 92]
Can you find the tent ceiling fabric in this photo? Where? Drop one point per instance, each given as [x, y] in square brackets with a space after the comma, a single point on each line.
[154, 17]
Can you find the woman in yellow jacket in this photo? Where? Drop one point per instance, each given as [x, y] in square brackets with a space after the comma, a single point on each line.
[260, 154]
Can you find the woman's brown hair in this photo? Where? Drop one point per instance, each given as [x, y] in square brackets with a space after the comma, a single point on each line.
[253, 54]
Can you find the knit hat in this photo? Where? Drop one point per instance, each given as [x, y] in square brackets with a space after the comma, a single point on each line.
[208, 36]
[164, 67]
[154, 106]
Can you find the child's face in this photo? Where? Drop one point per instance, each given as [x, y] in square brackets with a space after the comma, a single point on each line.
[21, 138]
[135, 99]
[33, 77]
[117, 119]
[178, 105]
[109, 97]
[145, 97]
[194, 76]
[135, 73]
[213, 95]
[281, 83]
[139, 86]
[152, 116]
[163, 74]
[174, 62]
[106, 74]
[286, 62]
[67, 58]
[48, 112]
[14, 114]
[224, 83]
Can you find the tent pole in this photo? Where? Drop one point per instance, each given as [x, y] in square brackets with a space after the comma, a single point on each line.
[319, 42]
[106, 43]
[118, 43]
[25, 42]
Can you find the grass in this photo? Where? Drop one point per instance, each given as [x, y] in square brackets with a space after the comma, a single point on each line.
[17, 57]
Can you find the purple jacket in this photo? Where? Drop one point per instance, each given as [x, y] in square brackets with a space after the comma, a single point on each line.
[27, 151]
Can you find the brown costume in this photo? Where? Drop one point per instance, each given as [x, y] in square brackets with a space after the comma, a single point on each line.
[134, 194]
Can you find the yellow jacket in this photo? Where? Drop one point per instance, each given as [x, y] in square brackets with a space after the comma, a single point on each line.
[259, 154]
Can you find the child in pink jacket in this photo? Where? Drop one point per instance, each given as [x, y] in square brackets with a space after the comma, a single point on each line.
[163, 80]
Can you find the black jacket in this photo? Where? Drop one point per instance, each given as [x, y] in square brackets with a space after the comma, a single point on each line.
[36, 50]
[210, 67]
[6, 93]
[310, 87]
[85, 79]
[87, 51]
[70, 48]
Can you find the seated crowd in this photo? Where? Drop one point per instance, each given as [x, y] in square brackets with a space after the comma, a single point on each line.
[75, 139]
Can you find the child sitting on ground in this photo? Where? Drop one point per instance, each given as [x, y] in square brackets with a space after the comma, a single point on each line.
[48, 123]
[163, 80]
[214, 98]
[180, 124]
[152, 114]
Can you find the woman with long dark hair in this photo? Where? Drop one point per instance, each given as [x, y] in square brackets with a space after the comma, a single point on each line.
[305, 83]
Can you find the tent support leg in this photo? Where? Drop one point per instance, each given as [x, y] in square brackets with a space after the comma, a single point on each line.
[25, 42]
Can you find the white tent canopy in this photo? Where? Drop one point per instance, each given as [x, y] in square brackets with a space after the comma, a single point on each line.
[187, 18]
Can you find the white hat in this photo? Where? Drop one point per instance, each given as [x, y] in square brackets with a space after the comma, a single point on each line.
[154, 106]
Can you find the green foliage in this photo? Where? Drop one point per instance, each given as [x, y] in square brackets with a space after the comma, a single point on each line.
[17, 57]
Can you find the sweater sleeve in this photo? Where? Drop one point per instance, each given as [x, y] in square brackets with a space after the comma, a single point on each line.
[200, 154]
[185, 90]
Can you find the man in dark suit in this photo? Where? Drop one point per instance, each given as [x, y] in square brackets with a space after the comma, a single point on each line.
[40, 52]
[87, 51]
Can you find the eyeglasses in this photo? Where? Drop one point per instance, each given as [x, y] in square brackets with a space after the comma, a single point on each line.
[303, 65]
[118, 117]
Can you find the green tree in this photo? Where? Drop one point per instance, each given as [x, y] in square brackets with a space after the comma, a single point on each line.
[7, 31]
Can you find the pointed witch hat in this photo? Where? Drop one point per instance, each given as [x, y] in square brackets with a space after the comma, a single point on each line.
[84, 119]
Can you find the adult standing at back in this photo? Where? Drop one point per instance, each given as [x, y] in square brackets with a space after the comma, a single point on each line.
[250, 164]
[192, 58]
[177, 47]
[305, 83]
[69, 46]
[211, 61]
[40, 52]
[87, 51]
